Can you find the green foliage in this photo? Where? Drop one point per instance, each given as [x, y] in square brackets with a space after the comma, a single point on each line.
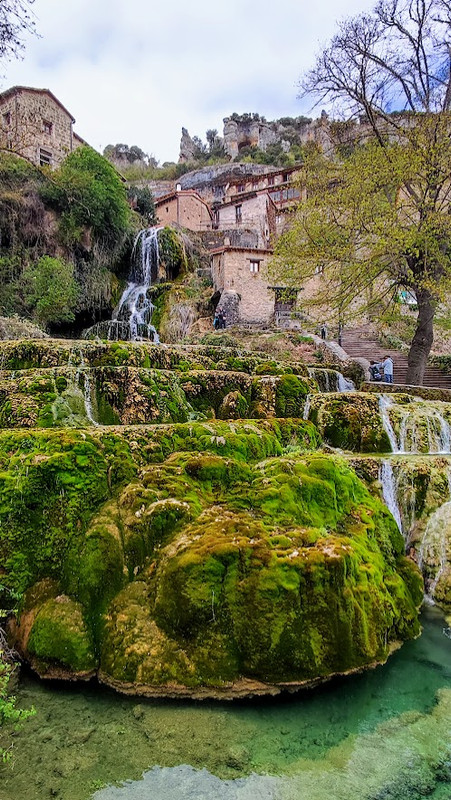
[142, 200]
[122, 153]
[88, 191]
[9, 714]
[51, 290]
[273, 155]
[377, 224]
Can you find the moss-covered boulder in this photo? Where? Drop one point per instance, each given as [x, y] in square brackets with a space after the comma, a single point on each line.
[176, 560]
[350, 421]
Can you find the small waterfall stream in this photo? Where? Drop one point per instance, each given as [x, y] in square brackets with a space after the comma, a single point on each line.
[422, 428]
[132, 317]
[433, 553]
[330, 380]
[390, 491]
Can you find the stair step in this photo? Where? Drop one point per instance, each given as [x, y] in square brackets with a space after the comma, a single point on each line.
[356, 344]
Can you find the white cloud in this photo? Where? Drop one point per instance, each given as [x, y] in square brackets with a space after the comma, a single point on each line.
[137, 72]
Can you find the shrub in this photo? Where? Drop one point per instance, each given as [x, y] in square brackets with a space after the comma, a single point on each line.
[89, 192]
[51, 290]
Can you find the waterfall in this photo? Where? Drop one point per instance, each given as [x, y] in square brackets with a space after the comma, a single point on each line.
[385, 402]
[434, 546]
[345, 384]
[132, 317]
[77, 365]
[421, 426]
[88, 397]
[330, 380]
[306, 412]
[390, 491]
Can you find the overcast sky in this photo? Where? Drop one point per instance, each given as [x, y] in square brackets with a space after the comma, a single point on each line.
[137, 71]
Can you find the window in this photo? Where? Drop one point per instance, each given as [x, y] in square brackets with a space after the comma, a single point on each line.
[254, 265]
[47, 126]
[45, 157]
[319, 269]
[238, 214]
[241, 187]
[271, 180]
[7, 119]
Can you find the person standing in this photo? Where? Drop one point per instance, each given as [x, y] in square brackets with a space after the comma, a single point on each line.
[387, 365]
[323, 331]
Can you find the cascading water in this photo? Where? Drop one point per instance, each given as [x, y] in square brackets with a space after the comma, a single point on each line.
[390, 491]
[345, 384]
[433, 553]
[422, 428]
[385, 402]
[330, 380]
[82, 371]
[132, 317]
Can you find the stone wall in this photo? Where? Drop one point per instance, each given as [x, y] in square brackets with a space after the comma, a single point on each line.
[231, 273]
[33, 124]
[252, 215]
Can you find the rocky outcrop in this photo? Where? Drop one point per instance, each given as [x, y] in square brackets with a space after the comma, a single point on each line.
[187, 147]
[251, 130]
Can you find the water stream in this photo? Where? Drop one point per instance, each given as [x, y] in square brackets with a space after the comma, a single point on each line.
[390, 491]
[383, 734]
[132, 317]
[418, 426]
[330, 380]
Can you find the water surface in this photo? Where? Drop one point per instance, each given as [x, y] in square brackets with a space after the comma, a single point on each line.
[384, 735]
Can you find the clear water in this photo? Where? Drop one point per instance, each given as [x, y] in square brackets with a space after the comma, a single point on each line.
[383, 735]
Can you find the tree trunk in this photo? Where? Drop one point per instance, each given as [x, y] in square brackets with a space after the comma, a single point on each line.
[422, 340]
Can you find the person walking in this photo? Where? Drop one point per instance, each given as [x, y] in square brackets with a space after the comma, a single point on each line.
[323, 331]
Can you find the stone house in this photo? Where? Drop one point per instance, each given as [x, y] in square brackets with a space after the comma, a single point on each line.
[35, 125]
[260, 203]
[239, 277]
[185, 208]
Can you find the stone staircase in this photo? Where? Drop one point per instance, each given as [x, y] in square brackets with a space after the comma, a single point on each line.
[359, 344]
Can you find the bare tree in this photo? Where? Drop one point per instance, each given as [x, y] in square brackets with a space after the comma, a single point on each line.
[16, 19]
[391, 70]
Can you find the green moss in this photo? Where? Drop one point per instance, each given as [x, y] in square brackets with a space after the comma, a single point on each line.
[350, 422]
[291, 392]
[60, 635]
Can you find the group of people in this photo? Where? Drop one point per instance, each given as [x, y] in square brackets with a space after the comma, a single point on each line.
[219, 321]
[382, 370]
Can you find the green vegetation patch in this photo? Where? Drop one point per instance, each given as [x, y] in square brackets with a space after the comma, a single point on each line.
[199, 553]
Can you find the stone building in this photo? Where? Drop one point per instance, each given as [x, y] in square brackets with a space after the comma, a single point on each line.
[35, 124]
[185, 208]
[238, 276]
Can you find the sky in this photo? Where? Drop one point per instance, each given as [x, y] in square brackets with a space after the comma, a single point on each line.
[137, 72]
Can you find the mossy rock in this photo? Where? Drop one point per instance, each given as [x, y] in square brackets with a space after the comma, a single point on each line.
[350, 421]
[204, 570]
[234, 406]
[60, 635]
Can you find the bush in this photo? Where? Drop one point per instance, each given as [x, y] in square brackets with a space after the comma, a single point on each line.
[51, 290]
[89, 192]
[142, 201]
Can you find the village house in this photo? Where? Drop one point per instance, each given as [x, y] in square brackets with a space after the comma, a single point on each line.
[185, 208]
[35, 125]
[238, 277]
